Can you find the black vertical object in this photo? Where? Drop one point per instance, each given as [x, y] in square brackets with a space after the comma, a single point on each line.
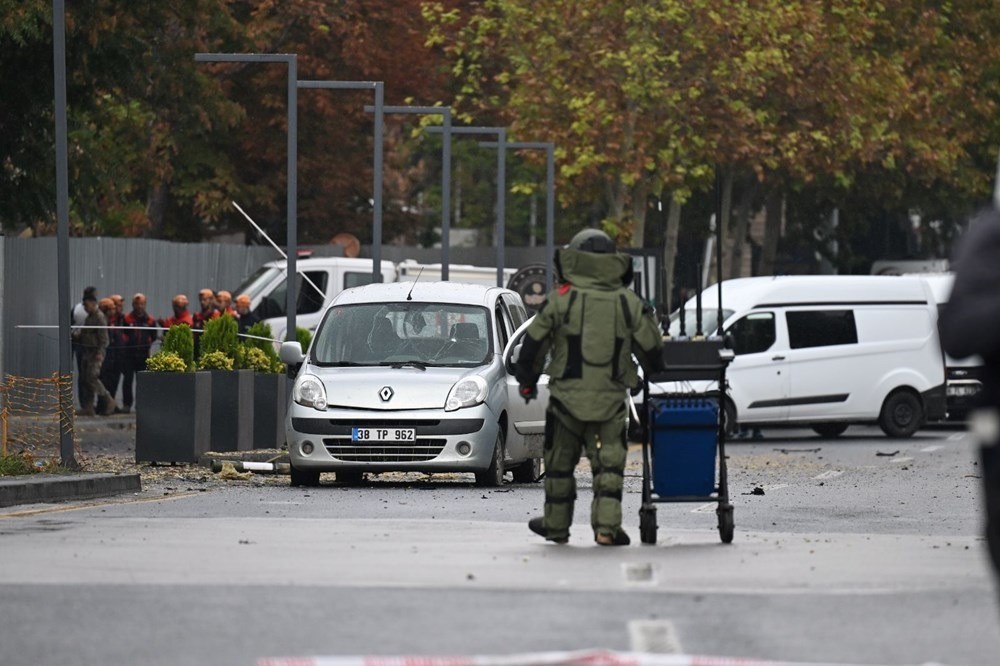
[718, 245]
[697, 308]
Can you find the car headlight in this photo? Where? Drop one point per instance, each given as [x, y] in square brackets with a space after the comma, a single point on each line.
[310, 392]
[466, 393]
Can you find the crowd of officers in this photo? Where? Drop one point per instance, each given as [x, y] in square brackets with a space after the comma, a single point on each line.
[111, 345]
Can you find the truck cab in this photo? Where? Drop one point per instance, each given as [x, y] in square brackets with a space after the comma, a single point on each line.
[319, 279]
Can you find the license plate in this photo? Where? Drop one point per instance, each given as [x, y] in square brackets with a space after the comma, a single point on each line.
[383, 434]
[961, 391]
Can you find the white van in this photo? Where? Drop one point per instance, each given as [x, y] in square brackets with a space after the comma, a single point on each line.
[826, 351]
[963, 376]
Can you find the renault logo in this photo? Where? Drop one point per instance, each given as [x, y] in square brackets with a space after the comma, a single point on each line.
[385, 393]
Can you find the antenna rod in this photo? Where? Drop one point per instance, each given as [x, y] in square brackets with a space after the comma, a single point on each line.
[409, 295]
[283, 255]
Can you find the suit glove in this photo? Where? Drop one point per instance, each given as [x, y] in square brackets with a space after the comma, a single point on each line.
[528, 391]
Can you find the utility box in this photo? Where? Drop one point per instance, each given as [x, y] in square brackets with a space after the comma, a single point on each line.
[684, 443]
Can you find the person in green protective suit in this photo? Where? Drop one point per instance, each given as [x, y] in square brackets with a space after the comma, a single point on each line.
[590, 326]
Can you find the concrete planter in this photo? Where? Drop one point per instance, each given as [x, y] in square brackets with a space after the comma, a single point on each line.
[232, 410]
[172, 416]
[270, 399]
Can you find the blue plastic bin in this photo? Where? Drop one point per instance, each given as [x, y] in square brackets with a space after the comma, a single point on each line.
[684, 444]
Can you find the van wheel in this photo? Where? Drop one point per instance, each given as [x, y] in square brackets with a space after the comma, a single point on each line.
[732, 427]
[902, 414]
[829, 430]
[493, 476]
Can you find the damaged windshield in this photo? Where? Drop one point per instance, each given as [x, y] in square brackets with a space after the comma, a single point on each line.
[418, 334]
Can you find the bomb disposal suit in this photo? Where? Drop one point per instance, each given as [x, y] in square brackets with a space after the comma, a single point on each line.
[590, 325]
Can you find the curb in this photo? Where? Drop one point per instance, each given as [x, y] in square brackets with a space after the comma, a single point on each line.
[38, 488]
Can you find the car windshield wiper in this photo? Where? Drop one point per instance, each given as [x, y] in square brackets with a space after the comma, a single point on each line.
[420, 365]
[340, 364]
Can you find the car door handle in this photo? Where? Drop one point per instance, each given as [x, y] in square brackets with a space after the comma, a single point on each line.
[777, 358]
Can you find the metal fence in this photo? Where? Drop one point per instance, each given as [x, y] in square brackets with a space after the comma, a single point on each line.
[158, 269]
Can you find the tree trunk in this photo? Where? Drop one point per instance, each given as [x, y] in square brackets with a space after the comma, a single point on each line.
[740, 226]
[670, 252]
[640, 194]
[156, 206]
[772, 231]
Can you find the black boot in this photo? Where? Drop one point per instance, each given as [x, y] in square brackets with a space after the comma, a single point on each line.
[620, 538]
[537, 525]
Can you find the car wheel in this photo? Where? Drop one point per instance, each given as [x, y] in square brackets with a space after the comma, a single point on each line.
[902, 414]
[304, 477]
[350, 477]
[493, 476]
[530, 471]
[829, 430]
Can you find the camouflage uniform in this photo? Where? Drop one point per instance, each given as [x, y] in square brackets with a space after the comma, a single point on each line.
[590, 325]
[93, 343]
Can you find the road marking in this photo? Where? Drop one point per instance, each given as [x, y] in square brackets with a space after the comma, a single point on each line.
[94, 505]
[777, 486]
[957, 436]
[638, 573]
[829, 474]
[654, 637]
[932, 449]
[706, 508]
[901, 460]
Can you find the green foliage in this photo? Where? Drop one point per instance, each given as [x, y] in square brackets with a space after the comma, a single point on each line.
[255, 359]
[166, 361]
[252, 345]
[215, 360]
[304, 337]
[221, 335]
[17, 464]
[180, 340]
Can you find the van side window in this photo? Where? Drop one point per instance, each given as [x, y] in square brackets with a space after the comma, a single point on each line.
[821, 328]
[355, 279]
[753, 334]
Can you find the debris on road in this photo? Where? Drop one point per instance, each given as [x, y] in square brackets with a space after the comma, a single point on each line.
[228, 472]
[887, 455]
[816, 450]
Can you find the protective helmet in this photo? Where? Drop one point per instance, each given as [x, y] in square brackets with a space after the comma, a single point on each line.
[592, 240]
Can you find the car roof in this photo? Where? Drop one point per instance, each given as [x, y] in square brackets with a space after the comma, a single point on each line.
[423, 292]
[746, 293]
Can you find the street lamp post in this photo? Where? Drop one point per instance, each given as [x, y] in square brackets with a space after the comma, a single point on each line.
[550, 195]
[290, 59]
[379, 109]
[446, 130]
[66, 455]
[501, 212]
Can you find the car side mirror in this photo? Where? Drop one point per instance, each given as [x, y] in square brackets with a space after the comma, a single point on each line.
[515, 353]
[291, 353]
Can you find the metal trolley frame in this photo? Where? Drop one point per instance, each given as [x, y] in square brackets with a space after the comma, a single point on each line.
[687, 360]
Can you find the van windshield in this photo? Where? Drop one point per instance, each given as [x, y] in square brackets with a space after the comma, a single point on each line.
[428, 334]
[709, 322]
[255, 284]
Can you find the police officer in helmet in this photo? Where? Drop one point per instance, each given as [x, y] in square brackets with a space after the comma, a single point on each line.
[590, 325]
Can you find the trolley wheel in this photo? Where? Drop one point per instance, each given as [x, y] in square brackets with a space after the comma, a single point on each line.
[726, 525]
[647, 524]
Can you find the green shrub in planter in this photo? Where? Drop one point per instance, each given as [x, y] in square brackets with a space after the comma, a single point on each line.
[303, 336]
[166, 361]
[215, 360]
[221, 336]
[255, 359]
[266, 346]
[180, 340]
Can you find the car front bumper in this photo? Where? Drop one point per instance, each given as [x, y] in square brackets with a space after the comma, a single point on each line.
[459, 441]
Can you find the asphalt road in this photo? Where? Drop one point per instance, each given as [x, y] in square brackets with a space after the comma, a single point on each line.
[860, 550]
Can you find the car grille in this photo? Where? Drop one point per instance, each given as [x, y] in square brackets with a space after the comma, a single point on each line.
[385, 452]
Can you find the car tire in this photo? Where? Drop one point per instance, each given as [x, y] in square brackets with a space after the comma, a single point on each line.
[350, 477]
[530, 471]
[902, 414]
[493, 476]
[304, 477]
[829, 430]
[732, 426]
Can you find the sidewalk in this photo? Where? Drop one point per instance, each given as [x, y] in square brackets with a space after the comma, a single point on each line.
[96, 437]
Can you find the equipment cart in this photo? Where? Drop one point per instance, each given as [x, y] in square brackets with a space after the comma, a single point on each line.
[682, 432]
